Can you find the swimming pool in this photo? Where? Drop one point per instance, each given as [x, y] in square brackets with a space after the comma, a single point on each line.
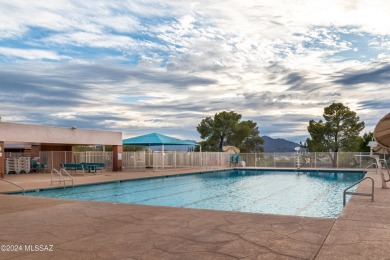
[300, 193]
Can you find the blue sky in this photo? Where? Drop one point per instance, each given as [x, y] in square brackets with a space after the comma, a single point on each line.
[162, 66]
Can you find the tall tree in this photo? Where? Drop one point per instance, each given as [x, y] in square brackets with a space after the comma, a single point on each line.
[246, 137]
[226, 129]
[363, 145]
[339, 132]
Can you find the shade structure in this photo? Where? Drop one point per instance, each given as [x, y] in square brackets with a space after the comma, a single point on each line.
[155, 139]
[381, 149]
[231, 149]
[382, 134]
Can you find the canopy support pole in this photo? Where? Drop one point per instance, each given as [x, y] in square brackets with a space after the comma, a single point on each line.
[163, 156]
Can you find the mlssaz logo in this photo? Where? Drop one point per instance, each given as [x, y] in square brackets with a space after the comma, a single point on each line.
[38, 248]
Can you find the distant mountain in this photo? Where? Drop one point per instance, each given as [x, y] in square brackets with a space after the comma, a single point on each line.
[272, 145]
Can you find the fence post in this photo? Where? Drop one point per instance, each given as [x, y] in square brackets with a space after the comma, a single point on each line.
[205, 159]
[200, 154]
[163, 159]
[337, 158]
[134, 161]
[295, 163]
[274, 160]
[174, 161]
[255, 159]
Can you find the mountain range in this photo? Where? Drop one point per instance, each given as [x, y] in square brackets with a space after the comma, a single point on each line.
[273, 145]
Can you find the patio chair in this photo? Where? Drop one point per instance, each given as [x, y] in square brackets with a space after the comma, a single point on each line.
[34, 166]
[37, 166]
[234, 159]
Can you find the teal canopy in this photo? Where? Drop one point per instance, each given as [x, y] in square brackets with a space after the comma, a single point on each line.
[155, 139]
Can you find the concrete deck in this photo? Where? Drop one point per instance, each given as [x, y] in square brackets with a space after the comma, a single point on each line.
[91, 230]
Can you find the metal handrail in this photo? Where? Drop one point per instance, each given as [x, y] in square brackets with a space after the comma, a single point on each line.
[67, 173]
[359, 193]
[10, 182]
[385, 163]
[61, 177]
[371, 165]
[380, 167]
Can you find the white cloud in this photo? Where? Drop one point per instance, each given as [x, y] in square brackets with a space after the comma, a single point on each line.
[31, 54]
[190, 60]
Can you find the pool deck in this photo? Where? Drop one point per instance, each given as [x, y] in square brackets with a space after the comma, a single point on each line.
[100, 230]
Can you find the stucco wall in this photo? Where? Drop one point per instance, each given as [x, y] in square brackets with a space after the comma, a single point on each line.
[34, 134]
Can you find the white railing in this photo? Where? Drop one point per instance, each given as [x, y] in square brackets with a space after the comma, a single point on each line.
[54, 159]
[180, 159]
[168, 159]
[134, 160]
[94, 157]
[307, 160]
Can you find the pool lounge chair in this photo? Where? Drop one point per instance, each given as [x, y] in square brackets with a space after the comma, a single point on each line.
[234, 159]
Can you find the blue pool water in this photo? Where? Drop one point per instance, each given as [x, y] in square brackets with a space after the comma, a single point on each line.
[310, 193]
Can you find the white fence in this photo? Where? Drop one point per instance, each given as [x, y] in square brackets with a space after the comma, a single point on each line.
[94, 157]
[134, 160]
[168, 159]
[162, 160]
[53, 159]
[139, 160]
[307, 160]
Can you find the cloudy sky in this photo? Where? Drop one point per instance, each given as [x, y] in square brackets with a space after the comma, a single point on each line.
[164, 65]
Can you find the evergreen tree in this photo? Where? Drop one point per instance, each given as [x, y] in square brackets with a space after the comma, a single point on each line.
[339, 132]
[363, 144]
[227, 129]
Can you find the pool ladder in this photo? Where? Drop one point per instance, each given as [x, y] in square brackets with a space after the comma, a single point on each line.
[384, 166]
[379, 166]
[346, 192]
[61, 177]
[10, 182]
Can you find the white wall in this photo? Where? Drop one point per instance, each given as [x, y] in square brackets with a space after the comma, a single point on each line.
[34, 134]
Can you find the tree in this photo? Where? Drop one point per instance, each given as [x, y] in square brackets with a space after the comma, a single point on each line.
[133, 148]
[226, 129]
[363, 145]
[91, 148]
[339, 132]
[246, 137]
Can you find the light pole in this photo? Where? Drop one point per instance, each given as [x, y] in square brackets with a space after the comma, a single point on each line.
[298, 155]
[372, 144]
